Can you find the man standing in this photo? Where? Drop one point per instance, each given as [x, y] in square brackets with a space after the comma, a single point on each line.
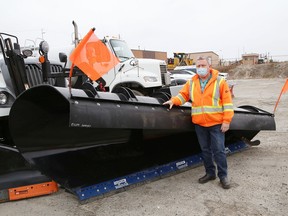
[212, 112]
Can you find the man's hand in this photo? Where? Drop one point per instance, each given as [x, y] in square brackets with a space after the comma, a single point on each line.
[225, 127]
[170, 103]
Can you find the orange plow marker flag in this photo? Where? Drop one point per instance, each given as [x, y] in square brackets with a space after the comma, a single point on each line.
[284, 89]
[93, 57]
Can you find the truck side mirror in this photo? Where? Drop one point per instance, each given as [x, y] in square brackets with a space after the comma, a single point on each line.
[63, 57]
[134, 62]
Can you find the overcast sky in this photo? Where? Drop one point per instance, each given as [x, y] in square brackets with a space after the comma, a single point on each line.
[227, 27]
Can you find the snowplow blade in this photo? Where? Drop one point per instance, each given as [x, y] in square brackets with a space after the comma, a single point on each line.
[92, 145]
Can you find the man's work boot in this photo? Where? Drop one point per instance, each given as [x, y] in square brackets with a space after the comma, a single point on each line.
[225, 183]
[206, 178]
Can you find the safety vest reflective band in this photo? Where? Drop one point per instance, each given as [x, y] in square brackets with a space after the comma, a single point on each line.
[180, 97]
[228, 107]
[206, 109]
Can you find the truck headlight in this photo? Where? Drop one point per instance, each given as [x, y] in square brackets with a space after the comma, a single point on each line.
[3, 98]
[43, 47]
[150, 79]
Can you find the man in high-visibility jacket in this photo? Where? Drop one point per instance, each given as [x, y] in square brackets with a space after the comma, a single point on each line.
[212, 112]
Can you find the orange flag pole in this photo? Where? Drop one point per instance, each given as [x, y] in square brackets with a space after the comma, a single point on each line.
[284, 89]
[70, 78]
[77, 53]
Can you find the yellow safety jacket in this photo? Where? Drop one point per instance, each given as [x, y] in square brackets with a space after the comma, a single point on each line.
[211, 107]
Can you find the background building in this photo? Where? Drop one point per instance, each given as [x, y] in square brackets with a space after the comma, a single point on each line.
[163, 56]
[150, 54]
[247, 59]
[250, 59]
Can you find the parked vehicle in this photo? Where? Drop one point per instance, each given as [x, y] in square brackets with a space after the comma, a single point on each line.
[177, 82]
[181, 74]
[187, 67]
[224, 75]
[193, 69]
[142, 76]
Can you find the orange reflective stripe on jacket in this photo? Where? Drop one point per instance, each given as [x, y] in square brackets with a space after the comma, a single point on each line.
[213, 106]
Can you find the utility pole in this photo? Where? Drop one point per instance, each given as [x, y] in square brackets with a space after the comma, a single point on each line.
[42, 33]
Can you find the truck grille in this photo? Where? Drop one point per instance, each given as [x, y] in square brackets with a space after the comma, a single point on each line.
[34, 74]
[164, 75]
[163, 69]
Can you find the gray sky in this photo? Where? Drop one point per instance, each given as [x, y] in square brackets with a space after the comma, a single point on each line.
[229, 28]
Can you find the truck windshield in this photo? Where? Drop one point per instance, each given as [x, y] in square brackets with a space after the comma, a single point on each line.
[121, 49]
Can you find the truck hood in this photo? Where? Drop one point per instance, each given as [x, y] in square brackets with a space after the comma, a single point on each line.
[152, 65]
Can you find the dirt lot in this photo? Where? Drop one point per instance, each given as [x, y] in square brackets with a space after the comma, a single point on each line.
[260, 71]
[258, 175]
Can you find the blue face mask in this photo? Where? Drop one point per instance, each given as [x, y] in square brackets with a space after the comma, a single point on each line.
[202, 72]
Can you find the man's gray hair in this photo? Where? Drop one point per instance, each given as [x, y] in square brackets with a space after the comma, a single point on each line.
[208, 59]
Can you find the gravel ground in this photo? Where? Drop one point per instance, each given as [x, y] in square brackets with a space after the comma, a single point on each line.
[258, 176]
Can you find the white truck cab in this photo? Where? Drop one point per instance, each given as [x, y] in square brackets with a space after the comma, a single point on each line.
[141, 75]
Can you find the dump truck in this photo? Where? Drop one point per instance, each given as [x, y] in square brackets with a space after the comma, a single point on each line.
[94, 143]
